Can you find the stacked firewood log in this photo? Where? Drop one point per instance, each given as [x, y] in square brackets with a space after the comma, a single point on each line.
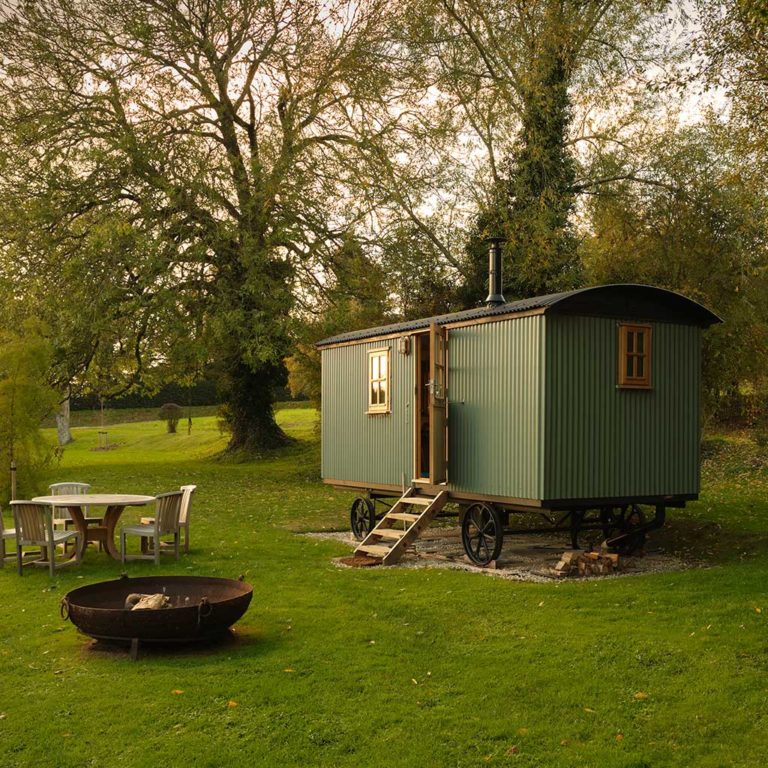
[575, 562]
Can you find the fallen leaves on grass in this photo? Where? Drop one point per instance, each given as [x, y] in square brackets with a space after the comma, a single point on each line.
[289, 670]
[177, 691]
[231, 703]
[513, 750]
[619, 737]
[590, 710]
[641, 696]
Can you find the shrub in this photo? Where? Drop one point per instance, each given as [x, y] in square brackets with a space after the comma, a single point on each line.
[25, 400]
[171, 414]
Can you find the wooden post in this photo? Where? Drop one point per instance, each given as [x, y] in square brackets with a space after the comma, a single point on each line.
[13, 479]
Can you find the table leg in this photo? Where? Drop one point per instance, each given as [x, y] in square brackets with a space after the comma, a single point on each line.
[76, 513]
[111, 519]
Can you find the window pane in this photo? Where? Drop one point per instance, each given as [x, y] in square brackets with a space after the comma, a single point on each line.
[640, 367]
[383, 367]
[630, 367]
[374, 393]
[630, 342]
[383, 393]
[375, 367]
[641, 342]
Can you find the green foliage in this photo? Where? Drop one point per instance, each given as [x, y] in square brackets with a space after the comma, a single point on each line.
[698, 226]
[541, 248]
[416, 274]
[25, 400]
[355, 297]
[734, 46]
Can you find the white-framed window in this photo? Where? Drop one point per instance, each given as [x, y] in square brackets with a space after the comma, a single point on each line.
[378, 381]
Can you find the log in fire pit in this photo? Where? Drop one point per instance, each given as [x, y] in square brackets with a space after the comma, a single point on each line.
[200, 607]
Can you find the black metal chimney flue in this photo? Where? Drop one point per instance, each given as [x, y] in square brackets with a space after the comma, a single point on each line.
[495, 297]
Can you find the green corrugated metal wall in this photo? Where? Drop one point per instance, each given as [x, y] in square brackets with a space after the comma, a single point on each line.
[495, 418]
[355, 446]
[534, 413]
[602, 441]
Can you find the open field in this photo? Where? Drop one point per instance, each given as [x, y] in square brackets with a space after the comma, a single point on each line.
[403, 667]
[92, 418]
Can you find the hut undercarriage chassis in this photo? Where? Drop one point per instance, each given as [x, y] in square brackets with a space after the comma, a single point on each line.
[623, 526]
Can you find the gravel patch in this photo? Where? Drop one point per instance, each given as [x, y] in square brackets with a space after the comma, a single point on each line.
[523, 557]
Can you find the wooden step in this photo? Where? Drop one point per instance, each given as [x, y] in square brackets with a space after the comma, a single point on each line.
[407, 516]
[390, 533]
[398, 538]
[373, 549]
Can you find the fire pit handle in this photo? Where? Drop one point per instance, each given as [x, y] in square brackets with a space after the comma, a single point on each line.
[64, 608]
[204, 609]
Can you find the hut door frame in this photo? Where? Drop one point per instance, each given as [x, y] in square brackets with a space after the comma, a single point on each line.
[438, 404]
[431, 406]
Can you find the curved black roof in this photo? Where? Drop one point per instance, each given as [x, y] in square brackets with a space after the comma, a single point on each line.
[624, 300]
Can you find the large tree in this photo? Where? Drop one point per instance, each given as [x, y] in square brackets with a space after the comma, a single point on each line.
[540, 85]
[190, 158]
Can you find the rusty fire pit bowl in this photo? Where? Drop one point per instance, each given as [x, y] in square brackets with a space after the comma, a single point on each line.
[201, 607]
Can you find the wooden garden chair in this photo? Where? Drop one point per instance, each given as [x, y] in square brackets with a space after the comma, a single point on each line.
[34, 528]
[62, 517]
[186, 507]
[6, 534]
[166, 523]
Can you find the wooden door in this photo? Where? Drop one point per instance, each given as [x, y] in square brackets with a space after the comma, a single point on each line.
[438, 404]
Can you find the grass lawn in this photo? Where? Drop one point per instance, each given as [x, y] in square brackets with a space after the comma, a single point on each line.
[393, 667]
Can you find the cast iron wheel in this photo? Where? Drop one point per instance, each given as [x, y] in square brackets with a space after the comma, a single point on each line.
[362, 517]
[632, 541]
[482, 533]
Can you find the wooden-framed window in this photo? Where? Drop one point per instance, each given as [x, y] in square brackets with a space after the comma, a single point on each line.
[634, 356]
[378, 381]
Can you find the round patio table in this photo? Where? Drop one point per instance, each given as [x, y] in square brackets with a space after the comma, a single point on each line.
[115, 503]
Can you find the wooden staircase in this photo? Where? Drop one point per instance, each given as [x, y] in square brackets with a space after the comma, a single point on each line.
[401, 526]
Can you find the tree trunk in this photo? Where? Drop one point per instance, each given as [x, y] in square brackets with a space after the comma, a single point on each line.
[249, 409]
[62, 423]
